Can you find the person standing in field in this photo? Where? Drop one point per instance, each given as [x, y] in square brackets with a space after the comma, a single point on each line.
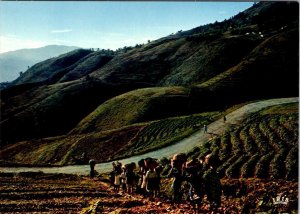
[112, 175]
[152, 179]
[141, 173]
[194, 172]
[118, 171]
[92, 163]
[123, 179]
[212, 182]
[176, 172]
[130, 177]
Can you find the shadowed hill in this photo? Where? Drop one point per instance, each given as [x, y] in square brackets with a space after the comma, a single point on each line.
[86, 65]
[177, 61]
[46, 70]
[54, 109]
[66, 67]
[271, 69]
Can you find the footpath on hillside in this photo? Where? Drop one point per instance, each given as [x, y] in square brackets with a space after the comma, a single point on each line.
[185, 145]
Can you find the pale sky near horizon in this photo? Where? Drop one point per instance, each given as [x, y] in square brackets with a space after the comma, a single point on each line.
[105, 25]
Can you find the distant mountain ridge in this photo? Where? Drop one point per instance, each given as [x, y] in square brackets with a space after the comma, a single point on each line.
[14, 62]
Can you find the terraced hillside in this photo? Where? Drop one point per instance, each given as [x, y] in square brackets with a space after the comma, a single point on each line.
[265, 145]
[165, 132]
[107, 145]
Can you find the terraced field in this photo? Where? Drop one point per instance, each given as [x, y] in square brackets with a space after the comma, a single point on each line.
[264, 146]
[58, 193]
[165, 132]
[48, 193]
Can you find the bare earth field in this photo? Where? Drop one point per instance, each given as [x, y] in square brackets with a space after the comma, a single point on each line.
[59, 193]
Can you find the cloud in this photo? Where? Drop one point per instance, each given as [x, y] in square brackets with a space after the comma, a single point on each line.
[62, 31]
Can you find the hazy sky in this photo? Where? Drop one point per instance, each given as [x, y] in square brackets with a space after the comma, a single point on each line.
[103, 24]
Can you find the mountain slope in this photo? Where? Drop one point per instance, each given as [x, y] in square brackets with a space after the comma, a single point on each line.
[14, 62]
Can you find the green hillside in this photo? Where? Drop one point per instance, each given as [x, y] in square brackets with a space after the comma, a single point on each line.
[135, 106]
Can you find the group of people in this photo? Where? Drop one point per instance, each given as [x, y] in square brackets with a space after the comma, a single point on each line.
[123, 176]
[199, 174]
[146, 181]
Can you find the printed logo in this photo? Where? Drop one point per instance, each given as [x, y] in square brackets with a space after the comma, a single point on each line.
[280, 200]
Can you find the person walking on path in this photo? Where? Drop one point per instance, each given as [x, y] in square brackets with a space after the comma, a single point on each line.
[224, 119]
[205, 128]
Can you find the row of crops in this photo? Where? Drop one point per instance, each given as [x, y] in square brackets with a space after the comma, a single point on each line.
[265, 146]
[167, 131]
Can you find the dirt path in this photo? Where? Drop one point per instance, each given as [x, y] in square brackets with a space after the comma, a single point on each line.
[215, 128]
